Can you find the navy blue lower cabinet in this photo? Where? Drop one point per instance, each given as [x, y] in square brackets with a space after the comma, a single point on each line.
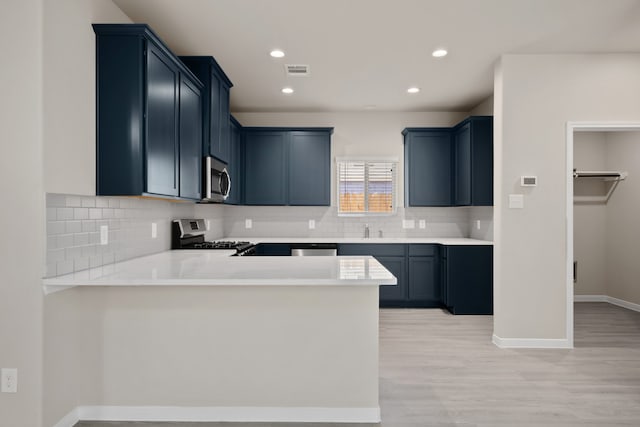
[467, 282]
[273, 249]
[394, 296]
[424, 286]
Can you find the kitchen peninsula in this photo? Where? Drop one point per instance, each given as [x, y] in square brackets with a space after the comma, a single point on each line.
[200, 336]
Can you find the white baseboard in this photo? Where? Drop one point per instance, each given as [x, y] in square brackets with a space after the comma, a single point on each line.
[220, 414]
[68, 420]
[590, 298]
[605, 298]
[530, 342]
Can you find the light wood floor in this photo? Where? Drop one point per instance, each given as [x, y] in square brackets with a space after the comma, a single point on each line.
[443, 370]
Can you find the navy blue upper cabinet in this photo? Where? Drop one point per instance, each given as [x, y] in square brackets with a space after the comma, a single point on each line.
[190, 140]
[462, 155]
[216, 113]
[450, 166]
[236, 164]
[474, 162]
[265, 170]
[147, 103]
[428, 157]
[309, 168]
[287, 166]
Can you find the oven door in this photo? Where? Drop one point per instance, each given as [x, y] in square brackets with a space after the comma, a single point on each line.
[216, 181]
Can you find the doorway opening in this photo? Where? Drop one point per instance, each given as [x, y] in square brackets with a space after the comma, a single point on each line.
[603, 184]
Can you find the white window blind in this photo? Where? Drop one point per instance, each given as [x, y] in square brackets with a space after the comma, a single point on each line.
[366, 187]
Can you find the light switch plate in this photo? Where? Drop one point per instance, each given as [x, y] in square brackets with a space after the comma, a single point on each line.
[104, 234]
[516, 201]
[477, 224]
[312, 224]
[208, 224]
[9, 379]
[248, 223]
[154, 230]
[422, 223]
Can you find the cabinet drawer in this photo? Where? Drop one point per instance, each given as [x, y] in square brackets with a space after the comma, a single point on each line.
[423, 250]
[372, 249]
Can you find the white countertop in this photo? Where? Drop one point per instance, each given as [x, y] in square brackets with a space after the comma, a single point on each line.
[217, 268]
[450, 241]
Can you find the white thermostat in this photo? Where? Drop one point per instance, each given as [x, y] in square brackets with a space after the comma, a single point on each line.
[528, 181]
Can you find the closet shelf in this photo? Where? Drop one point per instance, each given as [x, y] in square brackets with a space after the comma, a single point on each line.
[614, 177]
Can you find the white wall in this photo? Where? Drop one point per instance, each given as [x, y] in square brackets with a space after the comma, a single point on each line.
[22, 213]
[623, 211]
[589, 220]
[485, 108]
[535, 96]
[69, 92]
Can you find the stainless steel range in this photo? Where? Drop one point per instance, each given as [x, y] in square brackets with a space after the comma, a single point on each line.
[189, 234]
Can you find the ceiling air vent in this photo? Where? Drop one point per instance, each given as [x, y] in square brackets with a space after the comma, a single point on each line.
[297, 70]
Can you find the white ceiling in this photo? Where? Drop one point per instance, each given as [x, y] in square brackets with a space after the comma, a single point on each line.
[368, 52]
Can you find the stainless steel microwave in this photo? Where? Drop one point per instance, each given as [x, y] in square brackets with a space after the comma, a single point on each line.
[217, 182]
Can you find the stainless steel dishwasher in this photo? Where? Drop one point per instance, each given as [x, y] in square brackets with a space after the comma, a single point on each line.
[314, 249]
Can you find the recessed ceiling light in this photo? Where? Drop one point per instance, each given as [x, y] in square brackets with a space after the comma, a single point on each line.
[439, 53]
[277, 53]
[287, 90]
[413, 89]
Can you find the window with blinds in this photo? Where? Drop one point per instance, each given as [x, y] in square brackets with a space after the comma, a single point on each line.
[366, 187]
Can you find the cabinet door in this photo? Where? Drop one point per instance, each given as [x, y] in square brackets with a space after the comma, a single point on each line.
[162, 124]
[462, 186]
[470, 279]
[424, 289]
[225, 125]
[265, 172]
[394, 296]
[482, 161]
[235, 165]
[309, 168]
[214, 117]
[190, 140]
[428, 160]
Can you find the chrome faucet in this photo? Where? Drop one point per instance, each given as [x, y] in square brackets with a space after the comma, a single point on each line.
[380, 233]
[366, 231]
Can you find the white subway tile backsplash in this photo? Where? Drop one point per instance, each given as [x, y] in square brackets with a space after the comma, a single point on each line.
[81, 213]
[64, 214]
[81, 239]
[73, 201]
[88, 202]
[73, 223]
[80, 264]
[73, 226]
[54, 228]
[64, 267]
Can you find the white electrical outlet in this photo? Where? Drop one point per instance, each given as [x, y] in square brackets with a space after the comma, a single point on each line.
[248, 223]
[9, 380]
[154, 230]
[208, 225]
[422, 223]
[104, 234]
[408, 223]
[477, 224]
[312, 224]
[516, 201]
